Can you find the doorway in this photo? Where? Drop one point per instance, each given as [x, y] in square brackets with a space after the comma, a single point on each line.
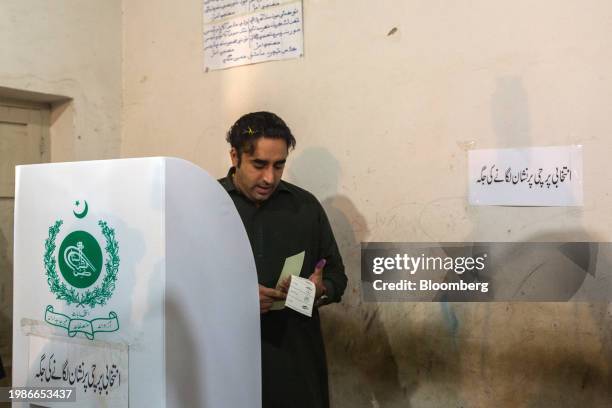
[24, 139]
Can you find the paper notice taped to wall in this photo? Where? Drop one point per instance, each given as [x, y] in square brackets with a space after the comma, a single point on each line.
[247, 32]
[536, 176]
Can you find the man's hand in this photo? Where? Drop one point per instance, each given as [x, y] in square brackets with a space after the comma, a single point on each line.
[284, 285]
[317, 278]
[267, 296]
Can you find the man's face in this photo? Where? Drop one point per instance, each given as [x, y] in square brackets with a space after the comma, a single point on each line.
[261, 171]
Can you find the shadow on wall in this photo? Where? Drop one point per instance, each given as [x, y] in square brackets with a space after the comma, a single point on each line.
[471, 354]
[574, 369]
[564, 373]
[362, 367]
[544, 268]
[510, 112]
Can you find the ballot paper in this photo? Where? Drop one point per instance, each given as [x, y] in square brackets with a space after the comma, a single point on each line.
[292, 267]
[301, 295]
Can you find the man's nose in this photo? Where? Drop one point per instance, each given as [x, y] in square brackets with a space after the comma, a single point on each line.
[268, 175]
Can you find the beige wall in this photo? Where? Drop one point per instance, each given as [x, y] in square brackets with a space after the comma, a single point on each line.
[383, 123]
[372, 106]
[67, 54]
[67, 49]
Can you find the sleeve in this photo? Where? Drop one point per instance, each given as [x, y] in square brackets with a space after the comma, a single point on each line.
[334, 277]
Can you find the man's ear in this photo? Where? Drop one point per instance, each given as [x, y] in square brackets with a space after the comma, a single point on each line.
[234, 157]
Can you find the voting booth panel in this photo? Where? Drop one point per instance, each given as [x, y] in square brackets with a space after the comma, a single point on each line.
[134, 284]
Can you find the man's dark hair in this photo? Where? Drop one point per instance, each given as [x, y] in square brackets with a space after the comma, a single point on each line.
[252, 126]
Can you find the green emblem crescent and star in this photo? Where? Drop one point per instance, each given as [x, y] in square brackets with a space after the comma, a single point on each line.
[86, 276]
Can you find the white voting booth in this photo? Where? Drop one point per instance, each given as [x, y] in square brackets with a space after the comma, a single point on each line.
[134, 283]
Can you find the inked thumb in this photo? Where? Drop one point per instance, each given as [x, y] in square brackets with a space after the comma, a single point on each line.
[320, 265]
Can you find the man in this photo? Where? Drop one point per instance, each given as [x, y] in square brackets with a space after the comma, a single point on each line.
[283, 220]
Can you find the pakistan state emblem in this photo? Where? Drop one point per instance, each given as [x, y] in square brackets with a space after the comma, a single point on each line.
[81, 273]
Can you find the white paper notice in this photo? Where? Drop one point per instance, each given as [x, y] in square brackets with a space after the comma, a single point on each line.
[250, 31]
[98, 370]
[536, 176]
[301, 295]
